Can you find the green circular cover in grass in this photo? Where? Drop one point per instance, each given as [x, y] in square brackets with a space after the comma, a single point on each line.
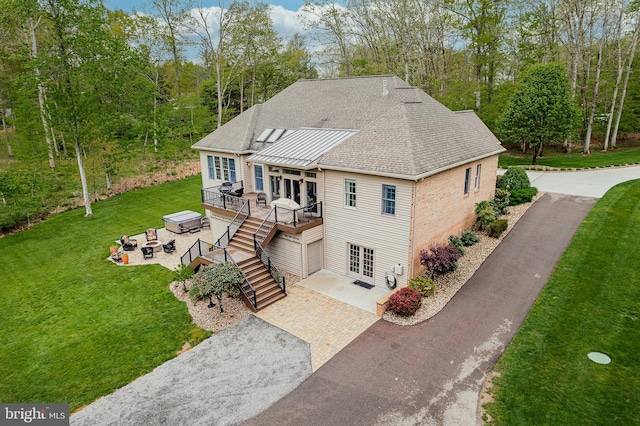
[599, 357]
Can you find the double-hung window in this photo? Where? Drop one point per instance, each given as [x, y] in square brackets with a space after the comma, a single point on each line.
[212, 170]
[257, 173]
[389, 199]
[477, 183]
[350, 192]
[467, 178]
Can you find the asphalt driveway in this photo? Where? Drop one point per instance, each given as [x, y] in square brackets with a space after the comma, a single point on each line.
[432, 373]
[230, 377]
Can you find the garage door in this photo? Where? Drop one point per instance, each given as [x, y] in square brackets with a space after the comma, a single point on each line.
[315, 257]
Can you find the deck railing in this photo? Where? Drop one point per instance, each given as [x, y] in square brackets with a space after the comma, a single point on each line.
[295, 217]
[227, 199]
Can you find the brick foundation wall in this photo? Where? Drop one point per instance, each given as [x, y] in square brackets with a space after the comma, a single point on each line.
[442, 209]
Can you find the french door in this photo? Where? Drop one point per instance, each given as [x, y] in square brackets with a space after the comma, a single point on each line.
[360, 262]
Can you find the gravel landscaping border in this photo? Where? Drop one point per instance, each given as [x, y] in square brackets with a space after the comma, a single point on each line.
[448, 285]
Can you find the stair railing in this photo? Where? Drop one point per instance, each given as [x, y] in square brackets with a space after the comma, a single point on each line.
[246, 288]
[199, 248]
[271, 268]
[234, 225]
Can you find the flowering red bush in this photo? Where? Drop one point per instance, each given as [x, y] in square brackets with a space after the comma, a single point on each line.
[440, 259]
[405, 301]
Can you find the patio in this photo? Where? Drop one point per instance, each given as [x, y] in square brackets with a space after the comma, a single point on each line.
[169, 260]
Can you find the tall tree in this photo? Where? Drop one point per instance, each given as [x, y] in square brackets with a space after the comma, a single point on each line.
[540, 110]
[86, 70]
[635, 10]
[174, 18]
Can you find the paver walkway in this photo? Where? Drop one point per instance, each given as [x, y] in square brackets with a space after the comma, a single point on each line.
[327, 324]
[432, 373]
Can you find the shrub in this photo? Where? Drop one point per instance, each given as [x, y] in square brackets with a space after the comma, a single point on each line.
[469, 238]
[457, 243]
[422, 285]
[522, 196]
[440, 259]
[497, 227]
[485, 214]
[501, 201]
[513, 179]
[405, 301]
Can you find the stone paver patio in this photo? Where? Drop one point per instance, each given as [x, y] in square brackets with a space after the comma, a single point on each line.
[327, 324]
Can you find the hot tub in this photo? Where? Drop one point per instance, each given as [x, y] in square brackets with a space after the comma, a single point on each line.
[182, 221]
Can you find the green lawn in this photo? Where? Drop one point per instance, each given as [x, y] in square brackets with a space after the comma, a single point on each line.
[591, 303]
[75, 326]
[557, 158]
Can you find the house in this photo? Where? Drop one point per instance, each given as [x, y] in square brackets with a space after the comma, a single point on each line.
[378, 169]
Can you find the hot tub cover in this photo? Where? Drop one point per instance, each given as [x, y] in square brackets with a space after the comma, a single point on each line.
[182, 217]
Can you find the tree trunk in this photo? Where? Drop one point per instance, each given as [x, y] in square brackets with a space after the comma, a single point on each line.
[632, 53]
[83, 179]
[6, 135]
[592, 113]
[43, 111]
[155, 117]
[617, 86]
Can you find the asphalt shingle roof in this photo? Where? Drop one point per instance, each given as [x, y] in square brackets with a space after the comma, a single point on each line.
[403, 132]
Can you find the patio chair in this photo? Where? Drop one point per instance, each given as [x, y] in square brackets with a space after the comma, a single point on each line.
[237, 193]
[128, 244]
[170, 247]
[152, 234]
[147, 252]
[261, 197]
[116, 256]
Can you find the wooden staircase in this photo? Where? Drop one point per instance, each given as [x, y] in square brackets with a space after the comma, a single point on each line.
[267, 290]
[243, 238]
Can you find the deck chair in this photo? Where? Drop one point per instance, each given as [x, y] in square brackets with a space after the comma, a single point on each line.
[261, 197]
[205, 223]
[170, 247]
[128, 244]
[147, 252]
[152, 234]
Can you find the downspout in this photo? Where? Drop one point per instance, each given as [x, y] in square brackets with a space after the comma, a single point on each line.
[413, 228]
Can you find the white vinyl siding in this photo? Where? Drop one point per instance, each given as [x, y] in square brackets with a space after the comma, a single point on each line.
[388, 236]
[285, 252]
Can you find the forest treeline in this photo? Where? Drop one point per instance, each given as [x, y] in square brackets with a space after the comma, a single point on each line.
[88, 95]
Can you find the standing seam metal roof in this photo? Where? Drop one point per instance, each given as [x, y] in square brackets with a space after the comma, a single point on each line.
[302, 147]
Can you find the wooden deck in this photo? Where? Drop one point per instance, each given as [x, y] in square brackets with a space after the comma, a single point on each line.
[261, 212]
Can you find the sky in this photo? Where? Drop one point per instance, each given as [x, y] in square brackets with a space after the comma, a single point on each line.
[284, 13]
[130, 5]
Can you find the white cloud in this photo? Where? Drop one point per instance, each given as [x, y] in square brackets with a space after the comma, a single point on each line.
[286, 22]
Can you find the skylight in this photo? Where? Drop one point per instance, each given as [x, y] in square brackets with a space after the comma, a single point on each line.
[264, 135]
[277, 134]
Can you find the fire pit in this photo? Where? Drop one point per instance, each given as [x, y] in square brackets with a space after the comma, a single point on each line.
[155, 245]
